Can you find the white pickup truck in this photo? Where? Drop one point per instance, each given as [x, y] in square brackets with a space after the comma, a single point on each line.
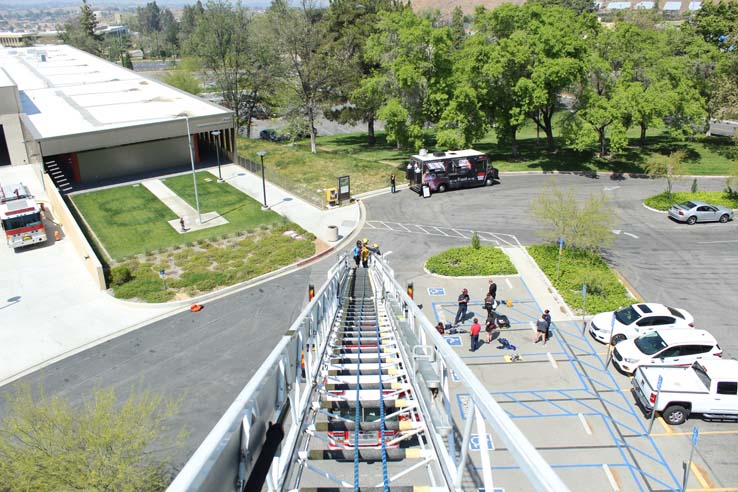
[708, 387]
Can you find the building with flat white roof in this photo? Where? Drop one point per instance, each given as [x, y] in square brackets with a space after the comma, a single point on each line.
[95, 120]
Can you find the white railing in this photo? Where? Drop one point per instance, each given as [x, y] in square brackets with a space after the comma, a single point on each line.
[226, 458]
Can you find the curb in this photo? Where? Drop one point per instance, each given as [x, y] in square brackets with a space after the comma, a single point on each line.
[653, 209]
[549, 286]
[631, 290]
[594, 174]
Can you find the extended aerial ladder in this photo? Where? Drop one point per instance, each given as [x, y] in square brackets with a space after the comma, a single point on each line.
[360, 390]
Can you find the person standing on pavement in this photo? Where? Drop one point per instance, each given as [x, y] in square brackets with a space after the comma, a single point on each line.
[393, 183]
[357, 253]
[474, 332]
[489, 304]
[489, 327]
[492, 289]
[541, 329]
[181, 223]
[547, 317]
[461, 311]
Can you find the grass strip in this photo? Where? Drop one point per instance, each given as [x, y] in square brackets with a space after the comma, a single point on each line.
[604, 290]
[663, 201]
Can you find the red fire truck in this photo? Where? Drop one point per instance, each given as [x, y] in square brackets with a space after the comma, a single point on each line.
[20, 215]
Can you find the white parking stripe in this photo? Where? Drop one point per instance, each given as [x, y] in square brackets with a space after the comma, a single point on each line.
[424, 231]
[508, 283]
[718, 242]
[585, 424]
[460, 234]
[439, 230]
[610, 478]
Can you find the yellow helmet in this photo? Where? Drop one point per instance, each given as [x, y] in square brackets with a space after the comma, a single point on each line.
[375, 246]
[365, 241]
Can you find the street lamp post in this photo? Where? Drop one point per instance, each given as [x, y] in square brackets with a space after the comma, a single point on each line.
[261, 154]
[216, 134]
[192, 163]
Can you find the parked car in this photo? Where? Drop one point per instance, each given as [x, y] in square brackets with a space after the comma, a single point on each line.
[665, 348]
[636, 320]
[272, 135]
[708, 387]
[693, 211]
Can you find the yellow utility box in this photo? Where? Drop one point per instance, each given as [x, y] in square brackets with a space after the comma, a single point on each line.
[331, 196]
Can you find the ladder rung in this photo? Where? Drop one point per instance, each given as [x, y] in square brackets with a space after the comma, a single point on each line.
[342, 425]
[393, 454]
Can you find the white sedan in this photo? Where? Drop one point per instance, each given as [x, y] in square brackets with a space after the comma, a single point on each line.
[665, 348]
[636, 320]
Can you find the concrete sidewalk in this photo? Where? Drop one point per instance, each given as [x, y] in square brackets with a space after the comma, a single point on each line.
[310, 218]
[183, 209]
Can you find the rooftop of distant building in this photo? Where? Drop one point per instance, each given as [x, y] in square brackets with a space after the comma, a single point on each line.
[65, 91]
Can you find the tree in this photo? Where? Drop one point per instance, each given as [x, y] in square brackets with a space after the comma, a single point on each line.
[716, 22]
[184, 80]
[234, 51]
[149, 22]
[312, 66]
[125, 60]
[102, 444]
[416, 67]
[80, 31]
[190, 17]
[670, 167]
[359, 94]
[586, 226]
[458, 33]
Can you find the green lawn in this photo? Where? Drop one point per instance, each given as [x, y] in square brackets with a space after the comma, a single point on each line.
[316, 172]
[705, 155]
[130, 220]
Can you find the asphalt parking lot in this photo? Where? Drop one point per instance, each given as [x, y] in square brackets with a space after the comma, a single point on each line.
[577, 411]
[692, 267]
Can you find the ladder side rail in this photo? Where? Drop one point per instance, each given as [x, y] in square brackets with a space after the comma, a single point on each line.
[538, 471]
[214, 466]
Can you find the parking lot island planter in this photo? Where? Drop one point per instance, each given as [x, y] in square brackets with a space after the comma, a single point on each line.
[469, 261]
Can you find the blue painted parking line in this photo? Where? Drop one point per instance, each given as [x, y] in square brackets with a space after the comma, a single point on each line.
[597, 371]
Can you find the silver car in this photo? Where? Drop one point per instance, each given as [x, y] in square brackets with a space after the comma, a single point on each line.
[692, 212]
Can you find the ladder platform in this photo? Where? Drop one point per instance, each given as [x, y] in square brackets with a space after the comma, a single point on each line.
[366, 454]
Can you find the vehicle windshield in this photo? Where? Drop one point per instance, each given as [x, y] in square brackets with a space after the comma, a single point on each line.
[650, 343]
[627, 315]
[22, 221]
[701, 374]
[687, 205]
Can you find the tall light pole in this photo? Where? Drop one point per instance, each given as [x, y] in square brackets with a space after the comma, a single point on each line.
[192, 163]
[216, 134]
[261, 154]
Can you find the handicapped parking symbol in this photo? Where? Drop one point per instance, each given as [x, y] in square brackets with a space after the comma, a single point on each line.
[474, 443]
[453, 341]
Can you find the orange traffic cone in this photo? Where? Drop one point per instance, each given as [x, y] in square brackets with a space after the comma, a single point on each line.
[196, 307]
[57, 236]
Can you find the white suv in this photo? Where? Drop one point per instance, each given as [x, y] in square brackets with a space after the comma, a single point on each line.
[636, 320]
[665, 348]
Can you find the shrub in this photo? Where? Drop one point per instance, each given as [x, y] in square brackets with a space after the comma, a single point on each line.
[475, 241]
[604, 290]
[694, 186]
[120, 275]
[468, 261]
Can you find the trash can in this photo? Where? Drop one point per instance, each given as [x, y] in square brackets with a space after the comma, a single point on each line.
[332, 233]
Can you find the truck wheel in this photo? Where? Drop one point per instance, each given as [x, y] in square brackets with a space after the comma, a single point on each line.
[442, 188]
[617, 339]
[675, 414]
[489, 181]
